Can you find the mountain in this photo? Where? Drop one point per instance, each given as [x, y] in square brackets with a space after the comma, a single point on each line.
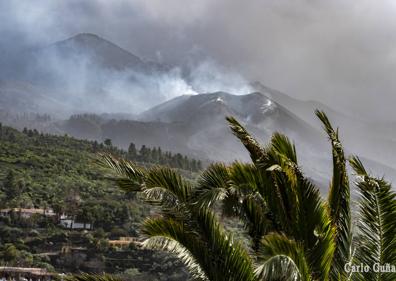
[99, 52]
[204, 116]
[196, 124]
[305, 109]
[366, 138]
[87, 73]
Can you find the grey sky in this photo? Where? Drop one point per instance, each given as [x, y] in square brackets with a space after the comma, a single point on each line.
[341, 52]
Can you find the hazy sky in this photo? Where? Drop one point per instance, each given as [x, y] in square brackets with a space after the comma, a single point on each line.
[341, 52]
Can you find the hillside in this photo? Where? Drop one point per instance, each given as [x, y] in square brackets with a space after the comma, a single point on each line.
[60, 173]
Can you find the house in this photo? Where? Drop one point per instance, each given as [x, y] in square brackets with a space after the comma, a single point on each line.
[124, 242]
[27, 213]
[70, 223]
[64, 220]
[66, 249]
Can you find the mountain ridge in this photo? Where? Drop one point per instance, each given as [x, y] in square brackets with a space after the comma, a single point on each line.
[187, 121]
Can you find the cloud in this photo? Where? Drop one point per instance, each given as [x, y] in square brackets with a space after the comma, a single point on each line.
[341, 52]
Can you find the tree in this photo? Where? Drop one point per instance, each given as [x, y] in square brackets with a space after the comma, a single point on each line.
[132, 152]
[144, 154]
[10, 253]
[10, 185]
[294, 233]
[108, 142]
[185, 228]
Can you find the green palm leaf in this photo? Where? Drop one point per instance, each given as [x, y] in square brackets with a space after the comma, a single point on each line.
[168, 180]
[213, 185]
[173, 236]
[308, 219]
[278, 245]
[254, 148]
[339, 200]
[278, 268]
[129, 176]
[239, 188]
[377, 224]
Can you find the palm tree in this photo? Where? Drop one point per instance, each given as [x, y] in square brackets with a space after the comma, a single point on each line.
[294, 233]
[184, 228]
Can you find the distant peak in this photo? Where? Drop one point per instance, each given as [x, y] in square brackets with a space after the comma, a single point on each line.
[86, 39]
[86, 36]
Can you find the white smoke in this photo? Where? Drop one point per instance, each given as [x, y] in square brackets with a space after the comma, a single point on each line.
[209, 76]
[75, 81]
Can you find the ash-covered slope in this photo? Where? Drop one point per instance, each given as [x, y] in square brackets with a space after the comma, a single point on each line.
[362, 137]
[87, 73]
[207, 112]
[196, 124]
[203, 117]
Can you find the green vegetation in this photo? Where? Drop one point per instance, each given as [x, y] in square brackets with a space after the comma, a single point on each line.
[289, 231]
[294, 234]
[61, 173]
[156, 156]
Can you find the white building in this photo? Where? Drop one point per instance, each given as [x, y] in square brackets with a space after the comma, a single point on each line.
[71, 224]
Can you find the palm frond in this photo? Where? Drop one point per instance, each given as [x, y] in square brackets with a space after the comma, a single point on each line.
[339, 199]
[307, 216]
[160, 196]
[172, 246]
[377, 224]
[212, 185]
[173, 236]
[256, 151]
[281, 144]
[229, 256]
[358, 166]
[129, 176]
[257, 218]
[275, 245]
[239, 188]
[249, 179]
[284, 157]
[315, 228]
[169, 180]
[205, 248]
[278, 268]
